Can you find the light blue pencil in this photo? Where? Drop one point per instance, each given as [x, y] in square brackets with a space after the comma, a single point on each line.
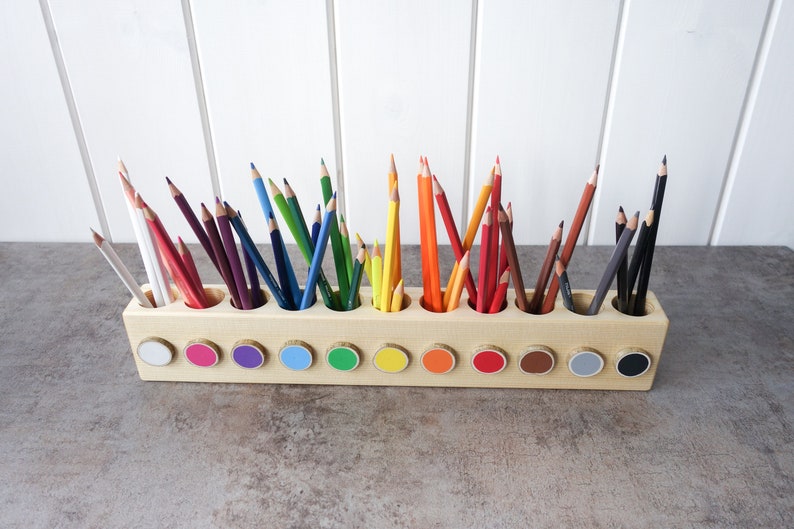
[319, 252]
[267, 209]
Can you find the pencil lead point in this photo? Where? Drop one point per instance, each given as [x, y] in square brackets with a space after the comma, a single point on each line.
[253, 167]
[562, 223]
[322, 162]
[664, 160]
[497, 160]
[168, 180]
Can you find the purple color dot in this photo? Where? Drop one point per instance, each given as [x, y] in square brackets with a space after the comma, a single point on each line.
[248, 356]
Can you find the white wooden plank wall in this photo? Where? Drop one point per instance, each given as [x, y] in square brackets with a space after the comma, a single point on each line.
[195, 90]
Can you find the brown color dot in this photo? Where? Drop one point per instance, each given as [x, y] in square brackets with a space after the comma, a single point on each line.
[536, 362]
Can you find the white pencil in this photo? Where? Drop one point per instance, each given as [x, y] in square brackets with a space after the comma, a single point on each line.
[141, 236]
[115, 261]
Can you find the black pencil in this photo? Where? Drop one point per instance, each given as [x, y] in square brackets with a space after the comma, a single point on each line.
[623, 268]
[612, 266]
[647, 260]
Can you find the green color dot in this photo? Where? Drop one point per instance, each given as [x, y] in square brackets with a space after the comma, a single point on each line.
[343, 358]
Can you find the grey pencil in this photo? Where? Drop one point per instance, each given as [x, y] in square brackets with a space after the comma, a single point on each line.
[618, 254]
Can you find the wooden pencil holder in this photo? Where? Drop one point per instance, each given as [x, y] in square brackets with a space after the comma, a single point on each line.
[413, 347]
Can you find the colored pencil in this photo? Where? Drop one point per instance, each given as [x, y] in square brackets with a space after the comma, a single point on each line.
[387, 285]
[316, 223]
[355, 283]
[176, 269]
[151, 262]
[337, 247]
[346, 247]
[500, 293]
[647, 261]
[474, 224]
[397, 273]
[493, 254]
[457, 287]
[319, 252]
[304, 245]
[636, 259]
[230, 246]
[565, 286]
[192, 221]
[367, 259]
[190, 265]
[454, 240]
[377, 275]
[118, 266]
[546, 270]
[267, 209]
[220, 254]
[623, 268]
[257, 300]
[427, 223]
[503, 263]
[573, 235]
[294, 209]
[278, 256]
[397, 297]
[611, 270]
[160, 271]
[512, 260]
[482, 272]
[253, 252]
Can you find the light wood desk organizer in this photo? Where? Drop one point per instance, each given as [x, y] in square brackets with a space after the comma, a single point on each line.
[391, 346]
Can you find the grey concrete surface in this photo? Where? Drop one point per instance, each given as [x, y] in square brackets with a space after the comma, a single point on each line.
[84, 443]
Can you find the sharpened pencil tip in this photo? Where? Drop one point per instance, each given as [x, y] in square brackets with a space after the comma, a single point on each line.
[664, 160]
[497, 160]
[562, 223]
[168, 180]
[253, 167]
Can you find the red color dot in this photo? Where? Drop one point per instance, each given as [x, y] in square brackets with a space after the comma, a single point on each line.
[488, 361]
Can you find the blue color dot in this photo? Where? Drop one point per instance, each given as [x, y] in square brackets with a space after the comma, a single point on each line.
[295, 357]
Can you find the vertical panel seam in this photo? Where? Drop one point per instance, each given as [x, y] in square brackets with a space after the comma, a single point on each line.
[74, 116]
[471, 111]
[745, 117]
[201, 98]
[609, 108]
[333, 67]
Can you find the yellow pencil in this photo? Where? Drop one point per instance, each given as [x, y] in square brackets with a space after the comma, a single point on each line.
[397, 297]
[377, 274]
[387, 286]
[397, 273]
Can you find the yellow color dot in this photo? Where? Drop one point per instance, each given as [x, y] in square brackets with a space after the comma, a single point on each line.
[391, 360]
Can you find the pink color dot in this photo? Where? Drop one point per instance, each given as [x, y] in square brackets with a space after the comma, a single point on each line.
[201, 355]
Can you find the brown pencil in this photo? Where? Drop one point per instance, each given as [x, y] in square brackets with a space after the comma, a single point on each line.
[512, 260]
[546, 269]
[573, 235]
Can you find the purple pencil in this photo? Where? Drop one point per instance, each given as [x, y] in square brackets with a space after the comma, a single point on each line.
[229, 244]
[193, 221]
[220, 253]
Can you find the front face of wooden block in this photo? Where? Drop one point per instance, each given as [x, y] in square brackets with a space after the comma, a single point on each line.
[412, 347]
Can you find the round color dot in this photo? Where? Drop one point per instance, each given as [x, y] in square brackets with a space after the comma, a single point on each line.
[391, 359]
[202, 353]
[296, 356]
[632, 363]
[156, 352]
[342, 357]
[585, 363]
[488, 360]
[536, 360]
[248, 354]
[438, 360]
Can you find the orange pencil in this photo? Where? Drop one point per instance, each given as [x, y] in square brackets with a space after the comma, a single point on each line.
[427, 226]
[457, 286]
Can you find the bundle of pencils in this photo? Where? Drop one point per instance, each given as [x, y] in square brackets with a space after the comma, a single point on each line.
[326, 227]
[629, 301]
[385, 268]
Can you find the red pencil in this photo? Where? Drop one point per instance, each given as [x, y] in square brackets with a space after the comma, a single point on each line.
[482, 273]
[501, 293]
[190, 265]
[454, 237]
[176, 269]
[493, 253]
